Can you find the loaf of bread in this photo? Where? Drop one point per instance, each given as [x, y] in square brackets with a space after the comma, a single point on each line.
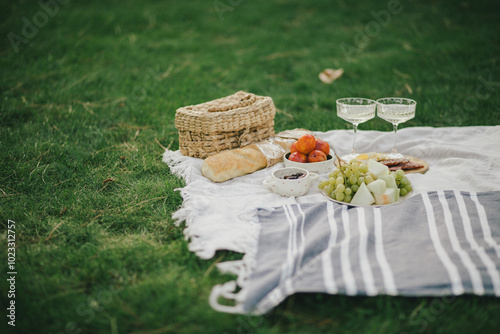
[229, 164]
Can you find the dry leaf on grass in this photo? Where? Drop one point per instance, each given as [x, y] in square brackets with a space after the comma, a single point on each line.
[330, 75]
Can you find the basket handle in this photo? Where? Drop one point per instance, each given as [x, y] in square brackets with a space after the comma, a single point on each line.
[244, 101]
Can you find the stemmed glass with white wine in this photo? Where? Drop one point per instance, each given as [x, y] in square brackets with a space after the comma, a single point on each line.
[396, 110]
[355, 110]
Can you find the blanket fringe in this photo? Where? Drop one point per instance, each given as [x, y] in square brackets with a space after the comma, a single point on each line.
[176, 161]
[206, 236]
[226, 291]
[242, 268]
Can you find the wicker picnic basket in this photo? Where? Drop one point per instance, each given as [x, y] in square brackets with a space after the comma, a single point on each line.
[226, 123]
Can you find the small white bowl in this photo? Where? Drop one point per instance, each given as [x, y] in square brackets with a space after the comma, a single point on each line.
[290, 187]
[322, 167]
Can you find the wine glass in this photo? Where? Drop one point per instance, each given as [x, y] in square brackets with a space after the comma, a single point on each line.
[396, 110]
[355, 110]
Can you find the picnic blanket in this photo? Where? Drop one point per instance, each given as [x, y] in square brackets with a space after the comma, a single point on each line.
[443, 240]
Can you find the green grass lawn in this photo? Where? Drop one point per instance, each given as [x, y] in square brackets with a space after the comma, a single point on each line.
[89, 91]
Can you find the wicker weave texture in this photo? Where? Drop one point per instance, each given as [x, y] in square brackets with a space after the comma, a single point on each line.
[226, 123]
[202, 146]
[232, 113]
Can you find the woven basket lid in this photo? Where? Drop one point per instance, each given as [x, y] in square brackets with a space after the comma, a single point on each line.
[239, 111]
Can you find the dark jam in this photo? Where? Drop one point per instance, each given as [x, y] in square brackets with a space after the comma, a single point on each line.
[293, 176]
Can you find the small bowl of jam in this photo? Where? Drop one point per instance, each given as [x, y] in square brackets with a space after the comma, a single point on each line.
[290, 181]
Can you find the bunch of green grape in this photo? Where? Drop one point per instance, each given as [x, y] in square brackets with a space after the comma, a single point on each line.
[344, 181]
[402, 181]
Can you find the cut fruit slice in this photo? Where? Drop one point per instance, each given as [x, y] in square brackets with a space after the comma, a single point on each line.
[363, 196]
[376, 168]
[389, 180]
[390, 196]
[377, 187]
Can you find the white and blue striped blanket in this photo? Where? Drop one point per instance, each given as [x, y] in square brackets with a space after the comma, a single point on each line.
[436, 243]
[443, 240]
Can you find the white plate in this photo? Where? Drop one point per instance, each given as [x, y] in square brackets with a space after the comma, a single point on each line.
[371, 206]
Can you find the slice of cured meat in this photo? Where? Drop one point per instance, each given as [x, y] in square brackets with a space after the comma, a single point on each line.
[406, 166]
[394, 162]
